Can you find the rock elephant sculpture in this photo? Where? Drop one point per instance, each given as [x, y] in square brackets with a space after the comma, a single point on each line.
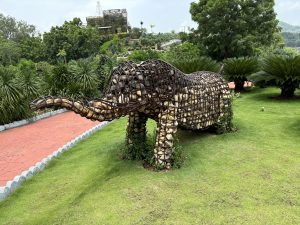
[157, 90]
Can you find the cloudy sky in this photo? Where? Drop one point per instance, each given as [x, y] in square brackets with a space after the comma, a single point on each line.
[166, 15]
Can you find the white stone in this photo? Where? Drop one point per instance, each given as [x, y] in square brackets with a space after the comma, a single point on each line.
[26, 174]
[12, 185]
[34, 170]
[4, 191]
[40, 165]
[19, 180]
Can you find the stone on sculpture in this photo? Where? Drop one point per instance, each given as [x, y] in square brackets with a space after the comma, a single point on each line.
[157, 90]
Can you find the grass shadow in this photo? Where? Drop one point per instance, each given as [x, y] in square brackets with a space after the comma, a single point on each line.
[294, 127]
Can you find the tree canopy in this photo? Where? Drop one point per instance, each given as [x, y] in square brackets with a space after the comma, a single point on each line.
[234, 28]
[15, 30]
[76, 40]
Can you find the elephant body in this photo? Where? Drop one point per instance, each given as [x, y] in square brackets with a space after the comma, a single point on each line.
[155, 89]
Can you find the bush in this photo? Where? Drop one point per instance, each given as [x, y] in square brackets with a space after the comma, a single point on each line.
[182, 52]
[188, 58]
[104, 66]
[284, 71]
[18, 87]
[190, 65]
[143, 55]
[238, 69]
[84, 77]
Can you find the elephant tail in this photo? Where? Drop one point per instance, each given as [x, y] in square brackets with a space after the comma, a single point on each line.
[82, 108]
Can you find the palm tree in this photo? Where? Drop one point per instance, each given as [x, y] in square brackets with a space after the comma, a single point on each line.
[284, 71]
[84, 74]
[193, 64]
[238, 70]
[10, 94]
[62, 54]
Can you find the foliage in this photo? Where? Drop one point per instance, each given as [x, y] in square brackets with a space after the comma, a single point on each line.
[190, 65]
[187, 57]
[283, 70]
[44, 72]
[33, 48]
[77, 79]
[144, 151]
[225, 123]
[76, 40]
[18, 86]
[84, 74]
[27, 79]
[19, 40]
[181, 52]
[150, 40]
[143, 55]
[135, 32]
[11, 29]
[276, 50]
[238, 69]
[114, 46]
[10, 52]
[104, 66]
[234, 28]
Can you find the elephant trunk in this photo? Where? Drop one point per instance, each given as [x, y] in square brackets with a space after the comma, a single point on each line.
[95, 110]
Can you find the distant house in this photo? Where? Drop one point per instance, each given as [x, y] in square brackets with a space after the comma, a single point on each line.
[113, 21]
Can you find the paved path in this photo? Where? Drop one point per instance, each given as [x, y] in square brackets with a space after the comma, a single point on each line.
[23, 147]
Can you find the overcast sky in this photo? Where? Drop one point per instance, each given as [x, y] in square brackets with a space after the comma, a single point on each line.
[166, 15]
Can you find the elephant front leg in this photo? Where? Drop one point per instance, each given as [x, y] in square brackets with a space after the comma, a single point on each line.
[166, 129]
[136, 136]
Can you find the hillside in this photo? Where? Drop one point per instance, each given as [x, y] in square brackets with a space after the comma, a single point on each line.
[289, 28]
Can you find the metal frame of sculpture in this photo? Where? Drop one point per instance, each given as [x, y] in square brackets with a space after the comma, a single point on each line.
[155, 89]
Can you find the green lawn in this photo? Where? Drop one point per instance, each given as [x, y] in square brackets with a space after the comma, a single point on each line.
[251, 176]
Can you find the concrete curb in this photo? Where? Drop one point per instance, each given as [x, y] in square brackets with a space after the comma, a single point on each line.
[38, 167]
[31, 120]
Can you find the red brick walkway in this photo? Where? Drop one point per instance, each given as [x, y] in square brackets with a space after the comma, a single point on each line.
[23, 147]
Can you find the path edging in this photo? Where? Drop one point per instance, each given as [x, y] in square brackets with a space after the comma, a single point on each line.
[31, 120]
[12, 185]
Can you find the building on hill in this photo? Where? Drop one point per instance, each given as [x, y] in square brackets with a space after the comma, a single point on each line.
[113, 21]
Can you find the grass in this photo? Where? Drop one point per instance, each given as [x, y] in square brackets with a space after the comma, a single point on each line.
[251, 176]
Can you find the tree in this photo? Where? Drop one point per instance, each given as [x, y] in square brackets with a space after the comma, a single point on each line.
[84, 73]
[190, 65]
[15, 30]
[19, 40]
[77, 41]
[33, 48]
[284, 71]
[10, 52]
[234, 28]
[238, 70]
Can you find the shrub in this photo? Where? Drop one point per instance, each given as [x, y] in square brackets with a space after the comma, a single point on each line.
[284, 71]
[143, 55]
[190, 65]
[18, 86]
[182, 52]
[104, 66]
[84, 76]
[238, 69]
